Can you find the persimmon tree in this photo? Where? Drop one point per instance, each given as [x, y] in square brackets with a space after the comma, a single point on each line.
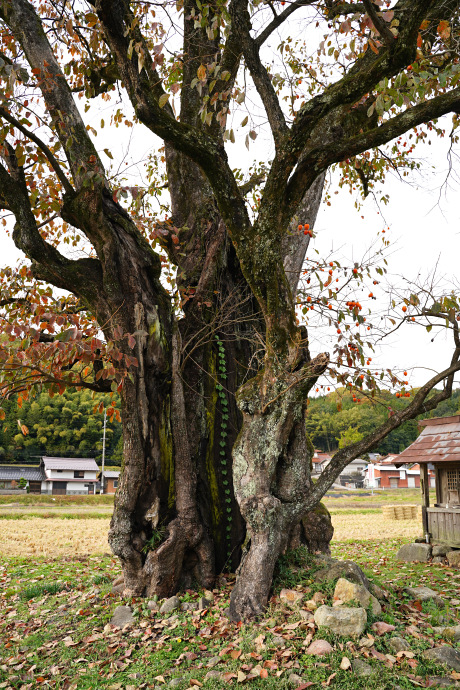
[213, 374]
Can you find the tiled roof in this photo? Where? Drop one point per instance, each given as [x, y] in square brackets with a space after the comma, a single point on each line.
[70, 464]
[438, 442]
[111, 475]
[13, 472]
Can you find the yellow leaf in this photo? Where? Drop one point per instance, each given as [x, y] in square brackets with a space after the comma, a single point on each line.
[240, 677]
[201, 73]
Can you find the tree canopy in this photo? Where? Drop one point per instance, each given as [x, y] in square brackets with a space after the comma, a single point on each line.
[214, 375]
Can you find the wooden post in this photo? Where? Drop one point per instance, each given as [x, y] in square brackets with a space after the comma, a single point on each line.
[438, 484]
[425, 484]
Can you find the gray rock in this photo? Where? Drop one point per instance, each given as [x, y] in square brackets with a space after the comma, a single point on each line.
[377, 592]
[441, 550]
[122, 616]
[414, 552]
[449, 632]
[444, 655]
[189, 606]
[349, 591]
[398, 644]
[118, 589]
[295, 679]
[170, 604]
[306, 616]
[424, 594]
[438, 559]
[174, 683]
[204, 603]
[454, 558]
[441, 682]
[213, 661]
[212, 674]
[278, 641]
[347, 569]
[360, 668]
[341, 621]
[152, 605]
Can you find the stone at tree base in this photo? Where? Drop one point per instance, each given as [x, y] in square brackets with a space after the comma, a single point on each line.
[346, 591]
[189, 606]
[319, 648]
[122, 616]
[346, 569]
[212, 674]
[424, 594]
[152, 605]
[294, 679]
[438, 559]
[170, 604]
[120, 580]
[290, 596]
[449, 632]
[360, 668]
[454, 558]
[377, 591]
[213, 661]
[444, 655]
[318, 530]
[204, 603]
[382, 628]
[341, 621]
[442, 682]
[118, 589]
[414, 552]
[398, 644]
[441, 550]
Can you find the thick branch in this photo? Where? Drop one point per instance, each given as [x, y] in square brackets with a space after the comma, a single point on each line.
[27, 28]
[379, 23]
[322, 157]
[83, 277]
[242, 25]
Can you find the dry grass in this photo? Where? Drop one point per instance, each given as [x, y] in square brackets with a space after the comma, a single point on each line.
[53, 537]
[373, 526]
[58, 537]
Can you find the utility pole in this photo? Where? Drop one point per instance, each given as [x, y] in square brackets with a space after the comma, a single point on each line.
[103, 452]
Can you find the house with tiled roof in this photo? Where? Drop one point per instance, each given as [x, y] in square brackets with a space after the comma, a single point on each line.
[109, 481]
[69, 475]
[16, 477]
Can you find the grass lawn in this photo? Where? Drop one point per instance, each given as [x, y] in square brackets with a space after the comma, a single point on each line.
[54, 632]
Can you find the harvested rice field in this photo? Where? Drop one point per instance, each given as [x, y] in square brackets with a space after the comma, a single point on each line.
[54, 537]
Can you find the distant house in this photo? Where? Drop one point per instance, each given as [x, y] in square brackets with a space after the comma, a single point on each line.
[386, 475]
[69, 476]
[320, 461]
[109, 481]
[353, 474]
[13, 477]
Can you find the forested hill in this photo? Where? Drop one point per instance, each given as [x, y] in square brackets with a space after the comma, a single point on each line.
[331, 427]
[65, 425]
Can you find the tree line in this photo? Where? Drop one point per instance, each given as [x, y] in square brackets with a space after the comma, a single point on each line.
[67, 425]
[335, 421]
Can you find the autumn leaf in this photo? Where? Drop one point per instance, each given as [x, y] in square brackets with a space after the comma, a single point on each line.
[345, 663]
[201, 73]
[444, 30]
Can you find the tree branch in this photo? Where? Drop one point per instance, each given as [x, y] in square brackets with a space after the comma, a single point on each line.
[419, 405]
[379, 23]
[241, 23]
[279, 19]
[27, 28]
[322, 157]
[42, 146]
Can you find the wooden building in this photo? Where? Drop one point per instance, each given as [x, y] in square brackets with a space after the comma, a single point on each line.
[439, 446]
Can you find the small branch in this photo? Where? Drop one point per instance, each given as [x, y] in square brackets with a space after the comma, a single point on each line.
[279, 19]
[42, 146]
[379, 23]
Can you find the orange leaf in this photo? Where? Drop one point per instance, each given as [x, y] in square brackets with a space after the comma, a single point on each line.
[235, 653]
[263, 673]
